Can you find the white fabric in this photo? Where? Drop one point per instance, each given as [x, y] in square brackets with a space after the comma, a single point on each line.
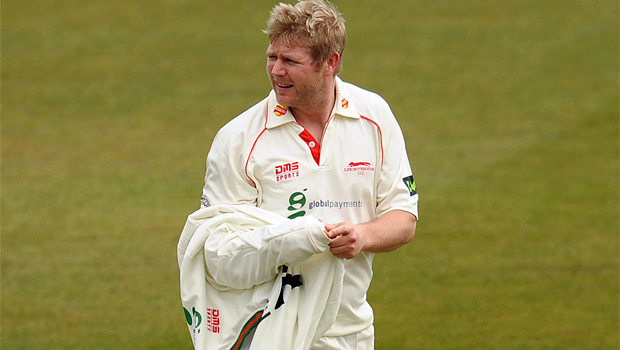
[362, 340]
[231, 262]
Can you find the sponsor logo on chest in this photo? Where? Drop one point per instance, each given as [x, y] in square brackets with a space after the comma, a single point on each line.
[287, 171]
[359, 168]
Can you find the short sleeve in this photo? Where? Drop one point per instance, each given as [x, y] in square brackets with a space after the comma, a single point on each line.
[225, 178]
[396, 188]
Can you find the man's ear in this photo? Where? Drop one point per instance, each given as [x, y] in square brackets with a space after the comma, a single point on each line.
[331, 63]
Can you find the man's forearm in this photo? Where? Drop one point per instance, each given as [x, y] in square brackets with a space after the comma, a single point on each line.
[384, 234]
[390, 231]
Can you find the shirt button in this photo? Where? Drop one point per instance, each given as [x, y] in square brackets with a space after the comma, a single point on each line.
[312, 144]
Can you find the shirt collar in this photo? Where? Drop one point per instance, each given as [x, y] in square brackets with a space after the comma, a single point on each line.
[278, 114]
[344, 102]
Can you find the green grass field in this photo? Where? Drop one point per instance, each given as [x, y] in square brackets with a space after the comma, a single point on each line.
[509, 108]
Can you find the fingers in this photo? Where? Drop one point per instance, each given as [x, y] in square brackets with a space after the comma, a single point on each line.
[339, 229]
[346, 251]
[345, 243]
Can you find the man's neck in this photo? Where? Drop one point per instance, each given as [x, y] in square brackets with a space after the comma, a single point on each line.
[315, 117]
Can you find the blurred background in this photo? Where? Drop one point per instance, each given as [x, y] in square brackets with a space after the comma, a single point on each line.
[509, 109]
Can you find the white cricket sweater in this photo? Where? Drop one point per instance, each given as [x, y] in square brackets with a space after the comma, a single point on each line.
[244, 268]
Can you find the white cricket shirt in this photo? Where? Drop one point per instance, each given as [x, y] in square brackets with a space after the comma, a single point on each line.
[357, 173]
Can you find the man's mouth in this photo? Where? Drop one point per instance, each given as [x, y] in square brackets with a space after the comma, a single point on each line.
[284, 86]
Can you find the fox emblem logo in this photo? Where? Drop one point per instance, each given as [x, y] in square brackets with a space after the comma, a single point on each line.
[359, 167]
[355, 164]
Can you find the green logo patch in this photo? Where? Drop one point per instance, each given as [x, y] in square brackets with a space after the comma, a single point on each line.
[410, 183]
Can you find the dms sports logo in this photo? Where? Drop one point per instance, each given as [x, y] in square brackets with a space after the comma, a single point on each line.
[287, 171]
[359, 167]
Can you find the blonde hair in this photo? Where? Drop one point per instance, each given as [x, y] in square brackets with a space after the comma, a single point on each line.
[316, 24]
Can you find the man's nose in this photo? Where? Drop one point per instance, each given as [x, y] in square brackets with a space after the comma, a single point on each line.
[277, 68]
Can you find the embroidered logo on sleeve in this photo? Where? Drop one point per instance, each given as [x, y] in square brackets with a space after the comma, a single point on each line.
[410, 183]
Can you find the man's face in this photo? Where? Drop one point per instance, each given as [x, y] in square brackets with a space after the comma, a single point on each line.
[293, 75]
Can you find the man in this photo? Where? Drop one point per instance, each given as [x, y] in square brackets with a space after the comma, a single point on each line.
[322, 147]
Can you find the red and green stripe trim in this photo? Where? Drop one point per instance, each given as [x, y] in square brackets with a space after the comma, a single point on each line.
[247, 328]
